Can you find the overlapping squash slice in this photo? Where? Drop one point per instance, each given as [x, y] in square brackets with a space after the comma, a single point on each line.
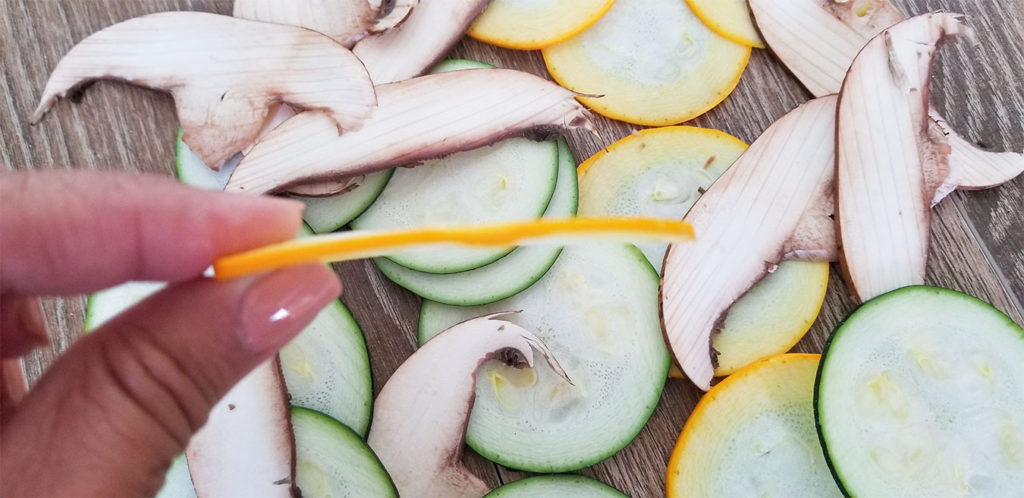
[533, 24]
[754, 435]
[661, 172]
[729, 18]
[648, 62]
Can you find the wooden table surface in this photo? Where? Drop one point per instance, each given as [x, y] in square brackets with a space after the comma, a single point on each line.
[977, 237]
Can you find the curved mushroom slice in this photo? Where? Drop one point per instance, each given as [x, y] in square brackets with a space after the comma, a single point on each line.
[222, 72]
[400, 10]
[889, 161]
[345, 21]
[226, 460]
[744, 224]
[420, 416]
[420, 41]
[418, 119]
[818, 40]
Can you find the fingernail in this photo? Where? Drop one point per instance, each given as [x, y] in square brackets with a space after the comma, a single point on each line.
[279, 305]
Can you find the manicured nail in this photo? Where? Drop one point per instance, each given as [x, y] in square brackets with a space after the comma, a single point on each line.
[279, 305]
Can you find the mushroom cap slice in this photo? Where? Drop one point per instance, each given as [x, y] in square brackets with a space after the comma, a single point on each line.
[226, 460]
[345, 21]
[420, 416]
[420, 41]
[818, 40]
[744, 224]
[223, 73]
[418, 119]
[387, 19]
[890, 160]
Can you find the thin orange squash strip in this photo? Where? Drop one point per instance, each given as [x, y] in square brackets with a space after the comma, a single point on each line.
[368, 244]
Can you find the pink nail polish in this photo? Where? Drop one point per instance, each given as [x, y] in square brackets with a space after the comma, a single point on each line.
[279, 305]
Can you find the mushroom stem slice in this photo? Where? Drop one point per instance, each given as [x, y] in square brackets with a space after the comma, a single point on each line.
[225, 459]
[420, 41]
[744, 224]
[223, 73]
[890, 160]
[420, 416]
[345, 21]
[418, 119]
[818, 40]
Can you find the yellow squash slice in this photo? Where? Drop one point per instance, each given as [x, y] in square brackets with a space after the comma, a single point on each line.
[661, 172]
[534, 24]
[729, 18]
[754, 435]
[648, 62]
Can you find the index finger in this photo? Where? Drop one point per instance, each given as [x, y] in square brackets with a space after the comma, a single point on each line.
[64, 232]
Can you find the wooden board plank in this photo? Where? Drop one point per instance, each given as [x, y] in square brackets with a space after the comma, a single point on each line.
[978, 237]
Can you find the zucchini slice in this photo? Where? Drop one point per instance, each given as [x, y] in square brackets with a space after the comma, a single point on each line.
[597, 310]
[509, 180]
[753, 435]
[323, 214]
[556, 486]
[648, 62]
[325, 368]
[532, 24]
[920, 393]
[661, 172]
[331, 460]
[506, 276]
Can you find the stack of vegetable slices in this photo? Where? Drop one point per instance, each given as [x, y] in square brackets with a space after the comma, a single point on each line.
[916, 392]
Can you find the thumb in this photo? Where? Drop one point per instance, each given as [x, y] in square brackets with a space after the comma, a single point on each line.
[114, 410]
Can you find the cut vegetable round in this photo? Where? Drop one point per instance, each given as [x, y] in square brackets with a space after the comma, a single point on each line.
[919, 394]
[652, 63]
[657, 172]
[596, 308]
[534, 24]
[331, 460]
[506, 276]
[322, 214]
[327, 214]
[509, 180]
[555, 486]
[661, 172]
[729, 18]
[753, 435]
[326, 368]
[772, 316]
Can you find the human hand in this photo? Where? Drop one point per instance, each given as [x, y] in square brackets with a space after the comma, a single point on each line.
[111, 413]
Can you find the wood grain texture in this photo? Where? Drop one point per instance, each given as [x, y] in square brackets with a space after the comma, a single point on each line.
[977, 241]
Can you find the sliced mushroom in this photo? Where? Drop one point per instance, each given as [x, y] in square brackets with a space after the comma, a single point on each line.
[345, 21]
[420, 416]
[389, 18]
[420, 41]
[818, 40]
[890, 160]
[418, 119]
[746, 221]
[225, 459]
[223, 73]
